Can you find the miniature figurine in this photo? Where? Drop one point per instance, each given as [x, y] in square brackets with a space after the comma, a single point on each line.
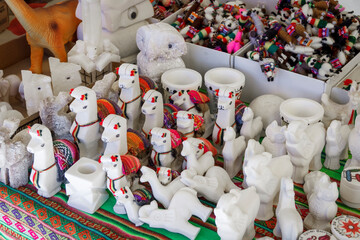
[233, 152]
[9, 86]
[251, 127]
[130, 96]
[51, 160]
[289, 223]
[337, 137]
[311, 179]
[153, 109]
[125, 197]
[304, 144]
[37, 87]
[253, 148]
[183, 205]
[166, 175]
[50, 27]
[11, 114]
[274, 142]
[211, 186]
[103, 87]
[235, 220]
[188, 124]
[354, 145]
[162, 193]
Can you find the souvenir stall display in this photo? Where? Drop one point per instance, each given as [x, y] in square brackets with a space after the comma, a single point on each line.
[156, 149]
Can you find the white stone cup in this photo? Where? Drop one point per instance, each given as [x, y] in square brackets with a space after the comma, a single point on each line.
[302, 109]
[223, 77]
[350, 187]
[177, 79]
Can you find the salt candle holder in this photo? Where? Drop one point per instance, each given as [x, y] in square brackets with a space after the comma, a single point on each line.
[350, 187]
[303, 109]
[223, 77]
[177, 79]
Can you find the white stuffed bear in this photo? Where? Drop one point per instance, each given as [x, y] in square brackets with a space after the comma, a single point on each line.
[161, 47]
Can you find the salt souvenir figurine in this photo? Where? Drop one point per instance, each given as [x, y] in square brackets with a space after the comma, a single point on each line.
[9, 86]
[189, 124]
[346, 227]
[125, 197]
[12, 114]
[233, 151]
[289, 223]
[350, 187]
[85, 128]
[166, 175]
[316, 234]
[322, 205]
[253, 148]
[196, 142]
[274, 142]
[153, 109]
[337, 137]
[251, 127]
[130, 95]
[87, 185]
[183, 205]
[37, 87]
[304, 144]
[45, 175]
[161, 193]
[212, 186]
[201, 164]
[115, 135]
[311, 179]
[235, 220]
[354, 139]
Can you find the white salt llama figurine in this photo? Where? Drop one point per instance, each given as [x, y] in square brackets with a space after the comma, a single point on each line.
[85, 128]
[304, 145]
[253, 148]
[183, 205]
[235, 214]
[125, 197]
[322, 205]
[161, 193]
[153, 109]
[189, 124]
[201, 164]
[226, 114]
[165, 175]
[130, 96]
[51, 160]
[64, 75]
[37, 87]
[251, 127]
[289, 223]
[9, 86]
[337, 137]
[354, 139]
[211, 186]
[115, 135]
[274, 142]
[233, 152]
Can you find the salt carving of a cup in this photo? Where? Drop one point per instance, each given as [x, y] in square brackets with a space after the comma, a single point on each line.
[223, 77]
[177, 79]
[302, 109]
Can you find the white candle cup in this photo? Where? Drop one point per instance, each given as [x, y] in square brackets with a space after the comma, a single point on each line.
[302, 109]
[223, 77]
[177, 79]
[350, 187]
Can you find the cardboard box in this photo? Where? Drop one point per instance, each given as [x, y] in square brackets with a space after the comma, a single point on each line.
[4, 16]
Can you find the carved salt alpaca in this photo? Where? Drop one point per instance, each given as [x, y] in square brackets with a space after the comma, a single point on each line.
[311, 179]
[36, 88]
[251, 127]
[54, 115]
[253, 148]
[211, 186]
[289, 223]
[184, 101]
[304, 145]
[85, 128]
[165, 175]
[130, 96]
[274, 142]
[201, 164]
[322, 205]
[341, 112]
[153, 109]
[264, 172]
[234, 219]
[161, 193]
[354, 138]
[337, 137]
[9, 86]
[9, 114]
[233, 151]
[183, 205]
[195, 142]
[64, 75]
[189, 124]
[226, 114]
[51, 160]
[125, 197]
[103, 87]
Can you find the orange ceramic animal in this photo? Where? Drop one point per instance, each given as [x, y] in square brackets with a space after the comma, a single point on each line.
[50, 28]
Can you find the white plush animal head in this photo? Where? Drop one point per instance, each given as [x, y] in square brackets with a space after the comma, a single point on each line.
[326, 70]
[160, 136]
[184, 119]
[226, 98]
[275, 132]
[230, 134]
[230, 23]
[164, 175]
[180, 97]
[129, 75]
[152, 100]
[248, 114]
[311, 61]
[85, 98]
[258, 11]
[354, 96]
[307, 10]
[41, 138]
[114, 127]
[110, 161]
[124, 195]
